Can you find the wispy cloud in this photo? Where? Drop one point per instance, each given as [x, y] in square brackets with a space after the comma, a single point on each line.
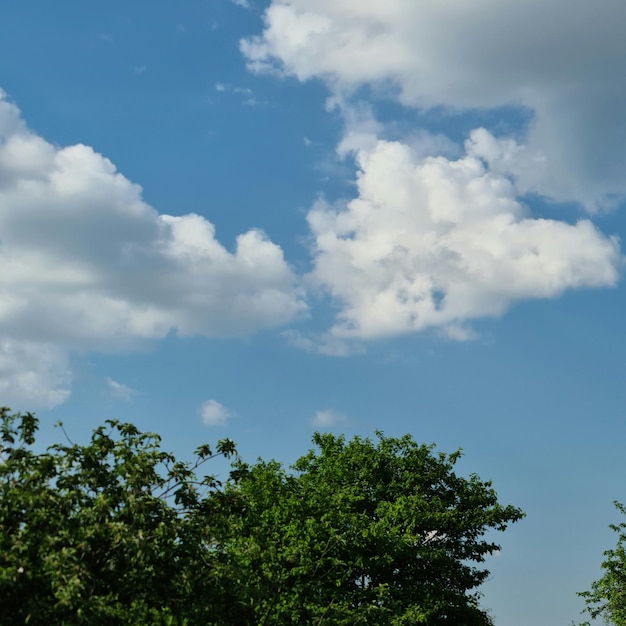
[33, 374]
[322, 343]
[245, 94]
[120, 391]
[329, 419]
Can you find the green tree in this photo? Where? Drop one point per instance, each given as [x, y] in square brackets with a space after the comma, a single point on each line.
[607, 598]
[362, 533]
[113, 532]
[118, 532]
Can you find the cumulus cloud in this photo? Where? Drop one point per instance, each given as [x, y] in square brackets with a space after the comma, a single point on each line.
[431, 242]
[328, 419]
[214, 414]
[561, 61]
[88, 265]
[120, 391]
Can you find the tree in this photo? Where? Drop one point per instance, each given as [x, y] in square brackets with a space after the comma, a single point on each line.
[607, 597]
[113, 532]
[119, 532]
[362, 533]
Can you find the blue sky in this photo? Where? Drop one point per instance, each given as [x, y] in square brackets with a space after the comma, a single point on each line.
[257, 219]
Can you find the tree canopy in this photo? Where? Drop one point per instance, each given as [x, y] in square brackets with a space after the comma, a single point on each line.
[117, 531]
[607, 598]
[364, 532]
[112, 532]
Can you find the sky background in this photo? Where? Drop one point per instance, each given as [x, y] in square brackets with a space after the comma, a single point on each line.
[254, 220]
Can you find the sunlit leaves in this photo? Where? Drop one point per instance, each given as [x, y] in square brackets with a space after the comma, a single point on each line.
[364, 533]
[607, 597]
[118, 531]
[110, 532]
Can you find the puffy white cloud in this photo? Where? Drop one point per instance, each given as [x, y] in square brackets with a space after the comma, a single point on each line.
[214, 414]
[328, 419]
[432, 243]
[562, 60]
[436, 237]
[88, 265]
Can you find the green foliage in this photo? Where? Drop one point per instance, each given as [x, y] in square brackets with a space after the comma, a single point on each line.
[118, 531]
[113, 532]
[362, 533]
[607, 597]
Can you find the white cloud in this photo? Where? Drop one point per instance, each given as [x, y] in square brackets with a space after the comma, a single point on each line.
[214, 414]
[88, 265]
[244, 4]
[436, 236]
[33, 375]
[361, 129]
[433, 243]
[328, 419]
[560, 60]
[120, 391]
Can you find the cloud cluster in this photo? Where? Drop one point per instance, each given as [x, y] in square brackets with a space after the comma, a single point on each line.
[561, 61]
[436, 237]
[431, 242]
[88, 265]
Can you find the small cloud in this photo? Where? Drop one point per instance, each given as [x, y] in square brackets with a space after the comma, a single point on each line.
[121, 391]
[328, 419]
[245, 93]
[458, 332]
[139, 69]
[214, 414]
[244, 4]
[307, 142]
